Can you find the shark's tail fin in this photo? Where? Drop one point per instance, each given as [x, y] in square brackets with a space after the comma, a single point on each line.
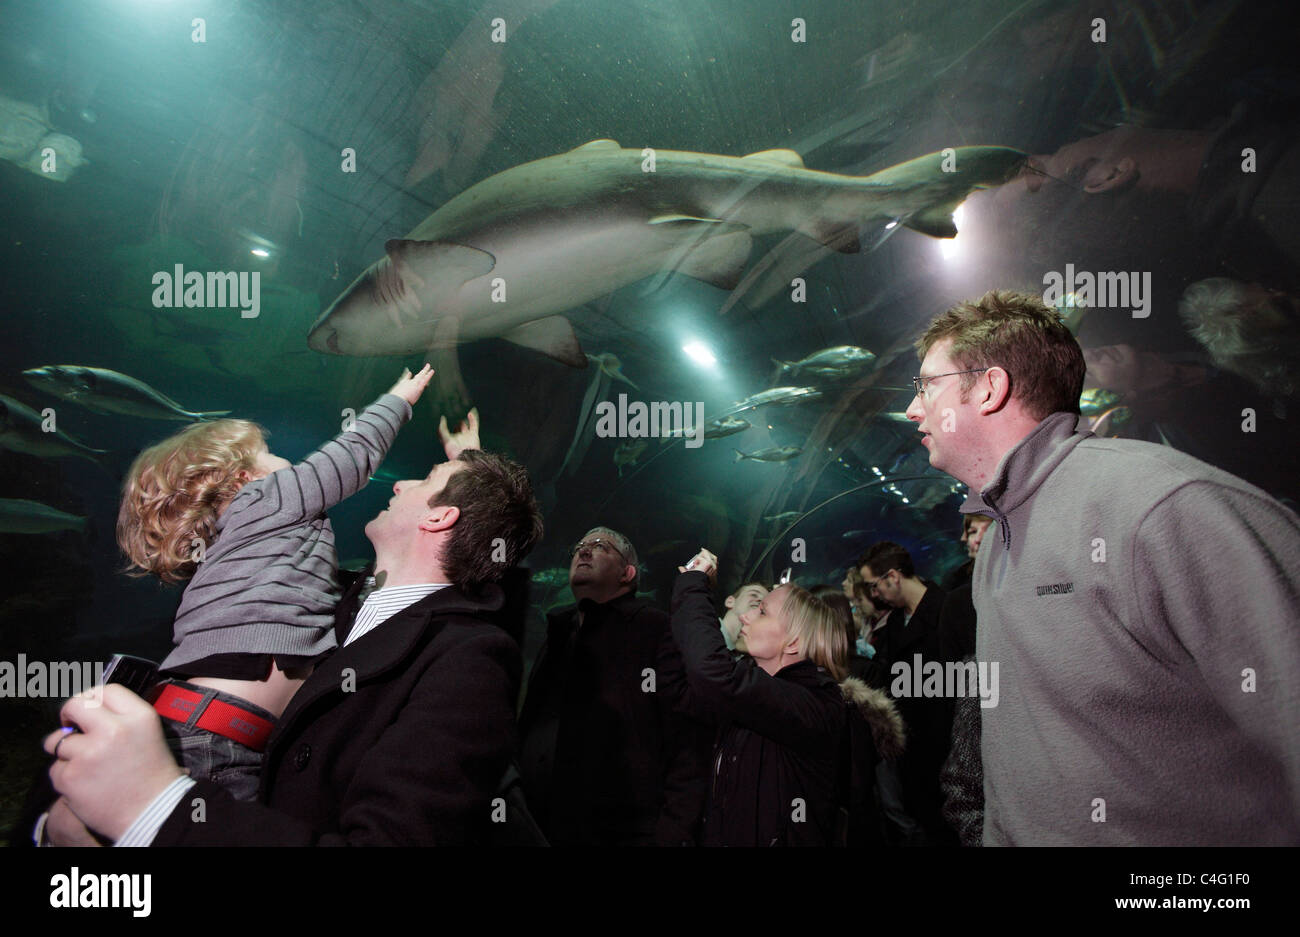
[739, 455]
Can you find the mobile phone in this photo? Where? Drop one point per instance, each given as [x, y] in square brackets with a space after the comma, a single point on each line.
[135, 673]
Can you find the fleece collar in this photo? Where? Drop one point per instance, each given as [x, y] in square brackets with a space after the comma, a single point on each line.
[1024, 468]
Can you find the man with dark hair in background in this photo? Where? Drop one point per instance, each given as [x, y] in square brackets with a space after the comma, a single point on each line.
[400, 737]
[745, 599]
[909, 639]
[606, 757]
[973, 527]
[1150, 685]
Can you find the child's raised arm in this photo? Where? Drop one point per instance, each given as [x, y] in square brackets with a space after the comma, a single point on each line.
[338, 469]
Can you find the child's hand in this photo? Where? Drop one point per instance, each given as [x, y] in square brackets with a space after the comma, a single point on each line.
[466, 437]
[410, 388]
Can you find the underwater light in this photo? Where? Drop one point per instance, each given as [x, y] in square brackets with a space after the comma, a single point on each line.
[700, 354]
[260, 252]
[952, 248]
[891, 226]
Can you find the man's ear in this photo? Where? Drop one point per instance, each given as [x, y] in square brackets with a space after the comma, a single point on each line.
[629, 573]
[995, 390]
[730, 602]
[1122, 174]
[442, 517]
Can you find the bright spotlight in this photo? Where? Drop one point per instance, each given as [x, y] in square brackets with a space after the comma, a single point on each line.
[700, 354]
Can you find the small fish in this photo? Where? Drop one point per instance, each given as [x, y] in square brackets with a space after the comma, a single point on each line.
[627, 453]
[774, 454]
[31, 517]
[105, 391]
[715, 429]
[854, 534]
[20, 430]
[647, 595]
[785, 517]
[727, 426]
[778, 396]
[1095, 400]
[609, 363]
[840, 361]
[898, 416]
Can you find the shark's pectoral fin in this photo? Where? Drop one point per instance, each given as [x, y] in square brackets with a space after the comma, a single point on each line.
[718, 261]
[784, 157]
[838, 237]
[451, 397]
[708, 227]
[553, 337]
[936, 221]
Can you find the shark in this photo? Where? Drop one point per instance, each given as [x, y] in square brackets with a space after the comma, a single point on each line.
[507, 256]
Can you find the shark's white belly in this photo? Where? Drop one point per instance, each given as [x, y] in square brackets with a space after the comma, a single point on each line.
[541, 272]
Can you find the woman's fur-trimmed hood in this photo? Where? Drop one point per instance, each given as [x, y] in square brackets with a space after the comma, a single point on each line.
[880, 714]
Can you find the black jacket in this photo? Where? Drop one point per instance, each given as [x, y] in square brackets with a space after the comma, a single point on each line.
[607, 756]
[928, 720]
[776, 763]
[400, 738]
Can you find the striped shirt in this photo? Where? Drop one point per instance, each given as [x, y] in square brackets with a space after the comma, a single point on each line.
[267, 584]
[383, 604]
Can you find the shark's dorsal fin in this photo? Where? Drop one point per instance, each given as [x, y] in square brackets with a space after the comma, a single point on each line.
[598, 145]
[553, 337]
[784, 157]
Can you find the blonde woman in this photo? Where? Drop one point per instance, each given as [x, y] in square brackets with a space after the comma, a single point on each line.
[778, 766]
[248, 530]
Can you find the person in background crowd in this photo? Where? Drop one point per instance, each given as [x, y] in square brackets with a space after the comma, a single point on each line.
[910, 639]
[782, 756]
[605, 756]
[743, 600]
[973, 527]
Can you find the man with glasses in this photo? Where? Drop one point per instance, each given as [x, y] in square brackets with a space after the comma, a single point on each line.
[1150, 674]
[910, 637]
[606, 758]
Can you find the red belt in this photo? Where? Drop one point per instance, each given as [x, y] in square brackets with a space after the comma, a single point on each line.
[232, 722]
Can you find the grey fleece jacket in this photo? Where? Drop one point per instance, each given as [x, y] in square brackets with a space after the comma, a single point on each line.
[1144, 608]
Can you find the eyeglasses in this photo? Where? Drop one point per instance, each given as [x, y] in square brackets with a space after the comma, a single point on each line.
[596, 545]
[874, 584]
[921, 383]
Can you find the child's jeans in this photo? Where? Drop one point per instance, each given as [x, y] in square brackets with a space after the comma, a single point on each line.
[233, 765]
